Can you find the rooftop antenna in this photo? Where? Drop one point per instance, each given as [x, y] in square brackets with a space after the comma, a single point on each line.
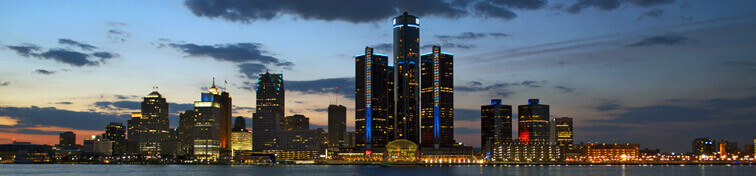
[155, 87]
[225, 85]
[337, 95]
[213, 81]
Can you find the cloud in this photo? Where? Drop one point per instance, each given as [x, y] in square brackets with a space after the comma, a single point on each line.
[4, 83]
[355, 11]
[25, 49]
[751, 66]
[565, 89]
[137, 105]
[50, 116]
[447, 46]
[44, 72]
[655, 12]
[497, 34]
[117, 35]
[70, 57]
[500, 89]
[464, 130]
[115, 24]
[667, 40]
[462, 36]
[251, 70]
[385, 47]
[607, 5]
[607, 105]
[70, 42]
[320, 109]
[323, 86]
[466, 114]
[64, 102]
[233, 52]
[710, 110]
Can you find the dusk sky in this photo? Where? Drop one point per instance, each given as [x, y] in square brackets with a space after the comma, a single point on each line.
[655, 72]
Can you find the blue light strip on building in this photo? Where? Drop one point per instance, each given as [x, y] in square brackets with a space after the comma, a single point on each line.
[379, 54]
[447, 53]
[368, 126]
[359, 55]
[435, 125]
[428, 53]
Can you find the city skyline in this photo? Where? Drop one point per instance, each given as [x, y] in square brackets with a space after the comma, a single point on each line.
[679, 73]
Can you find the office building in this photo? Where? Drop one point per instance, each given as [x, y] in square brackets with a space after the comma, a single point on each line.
[517, 152]
[371, 99]
[241, 138]
[336, 125]
[186, 132]
[562, 130]
[296, 122]
[495, 125]
[116, 133]
[98, 146]
[595, 152]
[207, 115]
[270, 93]
[67, 138]
[265, 128]
[703, 146]
[728, 148]
[407, 77]
[437, 93]
[533, 123]
[153, 124]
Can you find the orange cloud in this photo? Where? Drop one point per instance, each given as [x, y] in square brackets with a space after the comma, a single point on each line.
[8, 121]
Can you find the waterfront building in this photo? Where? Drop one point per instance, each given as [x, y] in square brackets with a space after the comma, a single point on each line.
[407, 77]
[265, 128]
[307, 143]
[595, 152]
[437, 103]
[519, 152]
[152, 124]
[533, 123]
[241, 138]
[703, 146]
[98, 146]
[67, 138]
[455, 154]
[186, 132]
[495, 125]
[336, 125]
[296, 122]
[25, 152]
[349, 139]
[371, 99]
[401, 150]
[206, 128]
[116, 133]
[728, 148]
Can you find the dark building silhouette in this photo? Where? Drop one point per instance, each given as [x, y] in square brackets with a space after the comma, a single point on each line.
[240, 124]
[437, 92]
[270, 93]
[67, 138]
[371, 99]
[336, 125]
[407, 80]
[533, 123]
[495, 125]
[562, 130]
[703, 146]
[133, 135]
[391, 104]
[296, 122]
[186, 132]
[116, 133]
[265, 128]
[153, 124]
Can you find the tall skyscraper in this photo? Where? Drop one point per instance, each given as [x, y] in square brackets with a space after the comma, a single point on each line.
[133, 133]
[265, 128]
[336, 125]
[533, 123]
[224, 122]
[703, 146]
[270, 93]
[154, 125]
[407, 79]
[207, 115]
[296, 122]
[562, 130]
[241, 138]
[116, 133]
[391, 104]
[437, 92]
[67, 138]
[495, 125]
[371, 99]
[186, 132]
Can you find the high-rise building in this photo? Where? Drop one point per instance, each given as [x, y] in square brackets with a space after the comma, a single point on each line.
[371, 99]
[407, 77]
[224, 99]
[153, 124]
[349, 139]
[495, 125]
[98, 146]
[116, 133]
[296, 122]
[703, 146]
[562, 130]
[437, 93]
[391, 104]
[336, 125]
[241, 138]
[270, 93]
[533, 123]
[186, 132]
[754, 144]
[265, 128]
[67, 138]
[133, 133]
[206, 142]
[728, 148]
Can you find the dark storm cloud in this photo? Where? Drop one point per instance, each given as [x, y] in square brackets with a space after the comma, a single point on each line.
[50, 116]
[565, 89]
[613, 4]
[668, 40]
[711, 110]
[44, 72]
[607, 105]
[251, 70]
[233, 52]
[355, 11]
[655, 12]
[501, 89]
[323, 86]
[70, 57]
[467, 114]
[447, 46]
[70, 42]
[25, 49]
[320, 109]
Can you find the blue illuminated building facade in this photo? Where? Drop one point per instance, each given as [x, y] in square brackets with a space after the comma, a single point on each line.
[437, 92]
[407, 80]
[371, 99]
